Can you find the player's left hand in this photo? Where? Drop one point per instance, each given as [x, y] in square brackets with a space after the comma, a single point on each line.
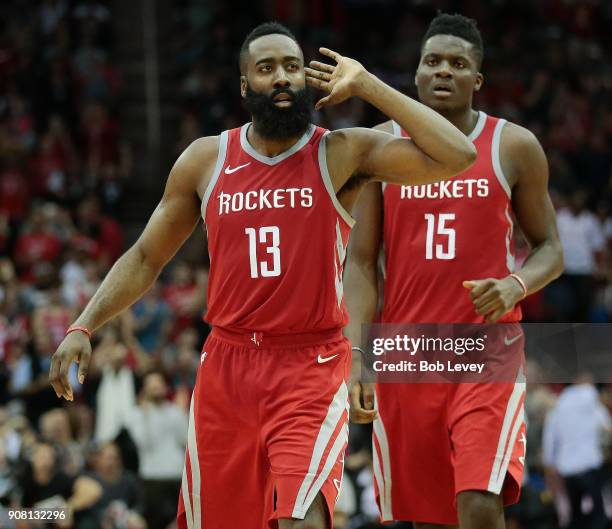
[492, 298]
[362, 409]
[340, 81]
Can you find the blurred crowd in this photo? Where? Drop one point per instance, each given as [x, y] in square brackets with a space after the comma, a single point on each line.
[114, 456]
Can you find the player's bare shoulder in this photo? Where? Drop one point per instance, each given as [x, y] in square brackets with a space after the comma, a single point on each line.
[521, 155]
[195, 166]
[341, 156]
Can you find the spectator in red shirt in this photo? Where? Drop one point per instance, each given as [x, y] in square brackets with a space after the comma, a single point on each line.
[37, 243]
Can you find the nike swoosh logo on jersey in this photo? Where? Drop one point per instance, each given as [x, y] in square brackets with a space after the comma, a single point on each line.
[203, 357]
[337, 483]
[512, 340]
[230, 170]
[322, 360]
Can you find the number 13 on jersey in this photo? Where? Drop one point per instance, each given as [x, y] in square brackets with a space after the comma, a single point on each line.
[440, 232]
[270, 236]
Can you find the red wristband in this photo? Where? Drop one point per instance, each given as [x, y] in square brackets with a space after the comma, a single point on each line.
[520, 282]
[74, 328]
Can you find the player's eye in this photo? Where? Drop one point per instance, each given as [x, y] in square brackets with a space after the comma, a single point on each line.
[293, 66]
[431, 62]
[265, 68]
[459, 64]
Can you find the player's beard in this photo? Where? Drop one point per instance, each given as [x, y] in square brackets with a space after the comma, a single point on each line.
[274, 123]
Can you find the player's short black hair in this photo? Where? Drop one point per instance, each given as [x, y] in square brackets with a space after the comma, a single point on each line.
[267, 28]
[458, 26]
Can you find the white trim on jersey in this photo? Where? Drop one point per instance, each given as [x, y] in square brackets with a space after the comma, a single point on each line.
[497, 168]
[192, 446]
[328, 183]
[480, 125]
[268, 160]
[510, 261]
[382, 473]
[337, 408]
[340, 254]
[223, 139]
[185, 494]
[397, 130]
[513, 419]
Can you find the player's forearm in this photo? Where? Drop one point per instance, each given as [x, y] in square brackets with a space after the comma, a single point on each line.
[433, 134]
[361, 288]
[129, 278]
[361, 294]
[543, 265]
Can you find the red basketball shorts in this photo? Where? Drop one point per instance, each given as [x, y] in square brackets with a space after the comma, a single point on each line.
[268, 429]
[433, 441]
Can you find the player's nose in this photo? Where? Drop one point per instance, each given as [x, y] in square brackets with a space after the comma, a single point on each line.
[281, 80]
[444, 72]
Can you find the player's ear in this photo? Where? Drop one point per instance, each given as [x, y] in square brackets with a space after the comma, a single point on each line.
[479, 81]
[243, 86]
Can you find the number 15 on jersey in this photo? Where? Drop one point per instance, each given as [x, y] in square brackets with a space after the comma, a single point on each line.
[445, 247]
[270, 236]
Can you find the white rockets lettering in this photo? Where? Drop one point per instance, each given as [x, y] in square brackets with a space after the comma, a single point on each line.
[448, 189]
[265, 199]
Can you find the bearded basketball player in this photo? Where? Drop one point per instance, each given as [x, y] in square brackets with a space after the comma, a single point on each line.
[268, 417]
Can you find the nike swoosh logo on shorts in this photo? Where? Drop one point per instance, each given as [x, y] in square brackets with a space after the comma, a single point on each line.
[230, 170]
[322, 360]
[512, 340]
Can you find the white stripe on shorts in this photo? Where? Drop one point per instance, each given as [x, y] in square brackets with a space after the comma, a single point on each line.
[507, 435]
[192, 445]
[185, 494]
[336, 408]
[384, 471]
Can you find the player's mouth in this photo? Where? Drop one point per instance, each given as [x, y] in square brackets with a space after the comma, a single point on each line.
[283, 100]
[442, 90]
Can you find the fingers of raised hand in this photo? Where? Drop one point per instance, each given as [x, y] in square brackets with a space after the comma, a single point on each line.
[317, 83]
[323, 102]
[321, 66]
[331, 54]
[317, 74]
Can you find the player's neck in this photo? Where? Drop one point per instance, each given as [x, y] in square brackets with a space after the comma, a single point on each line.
[268, 147]
[464, 119]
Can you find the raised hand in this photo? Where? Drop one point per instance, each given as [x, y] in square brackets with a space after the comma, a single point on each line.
[341, 81]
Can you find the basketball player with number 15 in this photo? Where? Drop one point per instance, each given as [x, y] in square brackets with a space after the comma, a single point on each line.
[451, 452]
[269, 413]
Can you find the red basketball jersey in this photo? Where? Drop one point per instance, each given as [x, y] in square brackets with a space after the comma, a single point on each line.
[438, 235]
[277, 238]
